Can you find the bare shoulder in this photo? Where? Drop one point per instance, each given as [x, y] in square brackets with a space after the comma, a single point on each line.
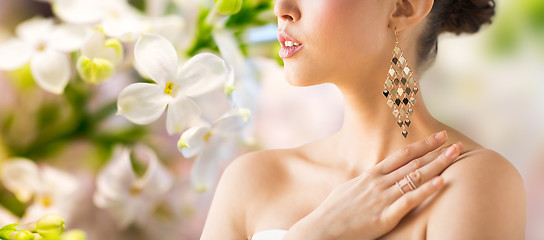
[484, 198]
[253, 172]
[246, 178]
[481, 166]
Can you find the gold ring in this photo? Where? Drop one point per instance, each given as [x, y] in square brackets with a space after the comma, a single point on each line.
[407, 184]
[400, 188]
[410, 182]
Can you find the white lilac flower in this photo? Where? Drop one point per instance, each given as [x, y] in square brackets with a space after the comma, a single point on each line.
[128, 25]
[21, 177]
[124, 22]
[44, 45]
[91, 12]
[209, 142]
[230, 51]
[79, 11]
[156, 57]
[50, 190]
[243, 85]
[127, 196]
[119, 19]
[116, 16]
[172, 27]
[244, 80]
[99, 57]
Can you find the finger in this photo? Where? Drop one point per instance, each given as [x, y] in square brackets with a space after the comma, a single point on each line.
[415, 164]
[399, 208]
[412, 151]
[443, 161]
[411, 180]
[408, 183]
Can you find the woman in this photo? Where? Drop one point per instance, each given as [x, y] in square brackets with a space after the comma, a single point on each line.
[368, 181]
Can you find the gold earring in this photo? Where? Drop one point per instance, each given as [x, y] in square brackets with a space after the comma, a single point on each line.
[400, 88]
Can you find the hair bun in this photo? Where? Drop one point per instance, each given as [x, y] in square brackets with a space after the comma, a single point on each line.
[467, 15]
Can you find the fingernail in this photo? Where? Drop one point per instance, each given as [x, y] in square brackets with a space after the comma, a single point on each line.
[441, 135]
[451, 150]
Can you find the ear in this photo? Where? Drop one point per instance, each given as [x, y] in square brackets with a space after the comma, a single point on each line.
[407, 13]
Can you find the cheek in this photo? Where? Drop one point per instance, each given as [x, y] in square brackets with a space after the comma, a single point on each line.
[341, 37]
[347, 33]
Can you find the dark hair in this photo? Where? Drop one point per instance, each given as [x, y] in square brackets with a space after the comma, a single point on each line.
[455, 16]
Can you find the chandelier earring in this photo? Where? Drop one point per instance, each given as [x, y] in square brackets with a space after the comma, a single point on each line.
[400, 88]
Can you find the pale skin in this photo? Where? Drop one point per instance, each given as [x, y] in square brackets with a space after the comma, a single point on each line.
[343, 186]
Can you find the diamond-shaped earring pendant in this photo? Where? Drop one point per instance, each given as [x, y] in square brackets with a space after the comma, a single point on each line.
[395, 93]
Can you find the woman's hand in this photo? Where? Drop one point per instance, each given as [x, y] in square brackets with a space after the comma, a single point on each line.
[373, 203]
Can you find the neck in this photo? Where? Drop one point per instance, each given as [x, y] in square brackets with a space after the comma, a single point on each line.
[369, 131]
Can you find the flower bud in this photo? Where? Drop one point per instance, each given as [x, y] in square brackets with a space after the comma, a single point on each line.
[94, 70]
[50, 226]
[8, 231]
[24, 235]
[228, 7]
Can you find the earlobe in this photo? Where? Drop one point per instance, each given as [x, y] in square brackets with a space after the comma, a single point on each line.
[407, 13]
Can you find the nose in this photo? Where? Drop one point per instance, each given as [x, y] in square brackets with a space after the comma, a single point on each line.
[287, 10]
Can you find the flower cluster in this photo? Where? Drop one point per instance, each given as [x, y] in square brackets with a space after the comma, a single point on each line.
[95, 79]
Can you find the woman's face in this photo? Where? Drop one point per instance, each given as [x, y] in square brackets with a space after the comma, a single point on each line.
[342, 40]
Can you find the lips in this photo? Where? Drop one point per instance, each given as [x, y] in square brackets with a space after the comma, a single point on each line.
[289, 45]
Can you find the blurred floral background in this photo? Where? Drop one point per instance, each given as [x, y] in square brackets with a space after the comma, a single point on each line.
[83, 133]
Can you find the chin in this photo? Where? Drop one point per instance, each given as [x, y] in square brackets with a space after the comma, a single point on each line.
[299, 78]
[300, 82]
